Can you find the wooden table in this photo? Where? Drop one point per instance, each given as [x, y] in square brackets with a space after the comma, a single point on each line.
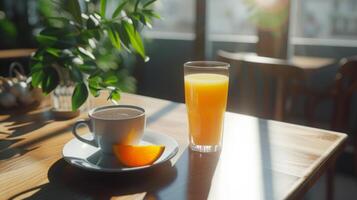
[306, 63]
[311, 63]
[260, 159]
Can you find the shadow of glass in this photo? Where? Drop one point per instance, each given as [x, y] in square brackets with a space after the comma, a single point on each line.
[68, 182]
[201, 168]
[195, 171]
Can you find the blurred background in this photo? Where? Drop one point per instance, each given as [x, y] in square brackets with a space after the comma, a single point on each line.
[318, 38]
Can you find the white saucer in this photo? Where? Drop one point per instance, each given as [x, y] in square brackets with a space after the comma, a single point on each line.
[91, 158]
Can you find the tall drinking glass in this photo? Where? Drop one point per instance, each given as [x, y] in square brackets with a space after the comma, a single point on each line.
[206, 91]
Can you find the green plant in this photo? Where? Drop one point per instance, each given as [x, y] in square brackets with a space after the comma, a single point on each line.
[268, 15]
[8, 31]
[69, 40]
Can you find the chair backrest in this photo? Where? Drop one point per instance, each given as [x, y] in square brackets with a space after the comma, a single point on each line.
[346, 78]
[344, 87]
[256, 77]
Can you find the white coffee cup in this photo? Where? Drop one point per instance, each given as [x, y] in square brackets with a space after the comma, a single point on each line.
[111, 125]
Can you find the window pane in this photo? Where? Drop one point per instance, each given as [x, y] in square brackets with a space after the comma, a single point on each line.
[229, 17]
[329, 19]
[178, 16]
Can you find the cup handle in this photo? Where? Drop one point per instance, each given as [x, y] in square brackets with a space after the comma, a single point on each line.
[89, 125]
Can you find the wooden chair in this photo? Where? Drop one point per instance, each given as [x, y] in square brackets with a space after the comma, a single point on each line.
[341, 91]
[254, 71]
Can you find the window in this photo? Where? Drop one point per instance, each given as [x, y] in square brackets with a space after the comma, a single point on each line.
[229, 17]
[178, 18]
[337, 21]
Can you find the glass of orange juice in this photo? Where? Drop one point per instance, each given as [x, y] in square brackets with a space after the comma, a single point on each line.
[206, 91]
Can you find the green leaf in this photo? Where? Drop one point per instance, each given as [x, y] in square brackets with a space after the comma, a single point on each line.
[134, 38]
[148, 3]
[52, 31]
[66, 42]
[37, 75]
[87, 35]
[114, 37]
[66, 56]
[60, 38]
[124, 37]
[61, 19]
[45, 40]
[37, 78]
[80, 95]
[58, 21]
[145, 20]
[73, 8]
[36, 66]
[96, 34]
[151, 13]
[135, 18]
[111, 79]
[50, 80]
[88, 67]
[103, 7]
[8, 28]
[136, 5]
[68, 30]
[92, 22]
[78, 60]
[95, 82]
[38, 56]
[115, 95]
[86, 53]
[94, 91]
[94, 85]
[96, 73]
[76, 74]
[119, 9]
[54, 52]
[48, 59]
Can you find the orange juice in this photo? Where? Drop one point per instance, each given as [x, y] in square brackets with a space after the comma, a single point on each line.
[206, 100]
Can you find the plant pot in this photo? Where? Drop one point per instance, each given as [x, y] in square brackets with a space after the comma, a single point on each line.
[273, 44]
[62, 97]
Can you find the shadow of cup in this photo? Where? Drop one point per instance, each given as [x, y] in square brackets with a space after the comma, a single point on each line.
[107, 185]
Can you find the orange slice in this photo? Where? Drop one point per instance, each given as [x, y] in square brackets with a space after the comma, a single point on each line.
[136, 156]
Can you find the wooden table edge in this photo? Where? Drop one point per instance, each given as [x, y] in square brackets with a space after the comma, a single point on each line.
[303, 185]
[16, 53]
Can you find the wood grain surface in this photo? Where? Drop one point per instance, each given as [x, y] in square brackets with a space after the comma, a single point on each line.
[15, 53]
[260, 159]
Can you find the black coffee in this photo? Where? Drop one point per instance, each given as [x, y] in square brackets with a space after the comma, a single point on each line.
[117, 113]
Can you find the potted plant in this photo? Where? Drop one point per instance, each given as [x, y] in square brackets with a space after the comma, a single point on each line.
[66, 60]
[271, 19]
